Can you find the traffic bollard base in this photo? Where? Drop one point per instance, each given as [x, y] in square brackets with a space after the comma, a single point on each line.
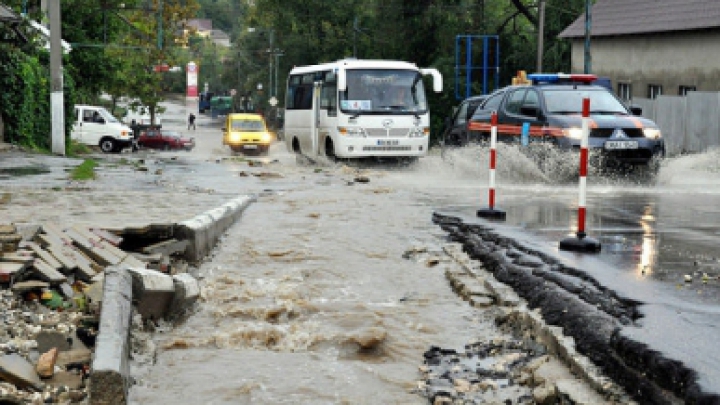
[491, 213]
[580, 243]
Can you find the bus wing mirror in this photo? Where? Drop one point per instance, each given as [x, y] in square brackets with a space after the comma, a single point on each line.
[437, 79]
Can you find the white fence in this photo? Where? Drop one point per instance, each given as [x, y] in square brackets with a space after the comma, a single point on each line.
[689, 124]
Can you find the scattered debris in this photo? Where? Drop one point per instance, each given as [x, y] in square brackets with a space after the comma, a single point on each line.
[51, 291]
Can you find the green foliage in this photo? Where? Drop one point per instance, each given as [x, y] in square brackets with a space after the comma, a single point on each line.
[25, 99]
[84, 171]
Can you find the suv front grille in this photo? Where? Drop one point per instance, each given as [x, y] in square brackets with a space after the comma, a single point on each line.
[607, 132]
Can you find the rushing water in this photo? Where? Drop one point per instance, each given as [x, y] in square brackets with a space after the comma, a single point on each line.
[312, 298]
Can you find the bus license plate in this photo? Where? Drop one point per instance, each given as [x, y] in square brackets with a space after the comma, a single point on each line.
[391, 142]
[621, 145]
[249, 146]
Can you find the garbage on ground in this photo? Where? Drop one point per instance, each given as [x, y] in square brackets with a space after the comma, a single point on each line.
[51, 288]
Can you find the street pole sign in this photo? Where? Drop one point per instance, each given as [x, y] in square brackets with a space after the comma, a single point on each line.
[192, 80]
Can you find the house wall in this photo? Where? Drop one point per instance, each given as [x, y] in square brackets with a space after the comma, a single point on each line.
[670, 60]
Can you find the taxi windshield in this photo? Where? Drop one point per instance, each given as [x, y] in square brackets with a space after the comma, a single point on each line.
[247, 125]
[569, 101]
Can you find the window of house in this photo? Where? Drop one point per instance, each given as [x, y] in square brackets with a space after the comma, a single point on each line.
[654, 90]
[624, 90]
[683, 90]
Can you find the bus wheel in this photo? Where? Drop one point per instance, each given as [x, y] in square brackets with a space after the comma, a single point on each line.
[330, 150]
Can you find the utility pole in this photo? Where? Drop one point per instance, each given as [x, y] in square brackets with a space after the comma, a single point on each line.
[588, 25]
[541, 36]
[57, 114]
[277, 54]
[271, 51]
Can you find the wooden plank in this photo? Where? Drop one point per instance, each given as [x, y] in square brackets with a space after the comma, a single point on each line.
[101, 256]
[57, 232]
[59, 253]
[17, 258]
[45, 255]
[112, 238]
[10, 270]
[85, 269]
[100, 243]
[47, 273]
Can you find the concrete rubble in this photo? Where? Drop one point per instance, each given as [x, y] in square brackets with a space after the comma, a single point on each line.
[67, 296]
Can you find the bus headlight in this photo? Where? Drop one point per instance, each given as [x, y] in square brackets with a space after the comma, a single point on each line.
[352, 131]
[419, 132]
[235, 137]
[266, 137]
[574, 133]
[652, 133]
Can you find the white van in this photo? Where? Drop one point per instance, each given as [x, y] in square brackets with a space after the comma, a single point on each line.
[95, 126]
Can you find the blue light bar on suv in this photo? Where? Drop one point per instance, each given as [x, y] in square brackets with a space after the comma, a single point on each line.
[561, 78]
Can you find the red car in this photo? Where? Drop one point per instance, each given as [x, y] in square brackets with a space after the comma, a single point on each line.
[165, 140]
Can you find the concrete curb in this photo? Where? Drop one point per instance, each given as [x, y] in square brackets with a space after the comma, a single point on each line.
[110, 373]
[153, 295]
[203, 231]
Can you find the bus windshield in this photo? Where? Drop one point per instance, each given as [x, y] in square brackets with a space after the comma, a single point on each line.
[383, 91]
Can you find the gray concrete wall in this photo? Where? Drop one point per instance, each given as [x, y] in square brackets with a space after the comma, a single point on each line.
[689, 124]
[670, 60]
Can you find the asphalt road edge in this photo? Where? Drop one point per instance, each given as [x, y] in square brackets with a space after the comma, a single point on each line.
[583, 317]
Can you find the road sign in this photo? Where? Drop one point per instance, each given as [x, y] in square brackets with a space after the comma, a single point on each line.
[273, 101]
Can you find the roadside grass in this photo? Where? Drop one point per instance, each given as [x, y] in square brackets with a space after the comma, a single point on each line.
[84, 171]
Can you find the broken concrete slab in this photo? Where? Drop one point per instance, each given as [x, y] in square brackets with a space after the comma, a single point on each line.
[110, 371]
[47, 339]
[16, 370]
[187, 292]
[167, 248]
[152, 292]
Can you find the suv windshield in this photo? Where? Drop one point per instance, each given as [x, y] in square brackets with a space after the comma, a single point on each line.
[569, 101]
[383, 91]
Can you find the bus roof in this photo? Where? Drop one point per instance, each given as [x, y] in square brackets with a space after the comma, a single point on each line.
[352, 63]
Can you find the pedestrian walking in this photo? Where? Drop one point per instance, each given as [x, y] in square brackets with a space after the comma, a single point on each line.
[191, 121]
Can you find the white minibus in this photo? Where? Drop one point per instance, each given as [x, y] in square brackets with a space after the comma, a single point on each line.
[358, 108]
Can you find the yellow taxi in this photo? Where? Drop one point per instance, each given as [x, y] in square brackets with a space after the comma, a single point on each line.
[247, 133]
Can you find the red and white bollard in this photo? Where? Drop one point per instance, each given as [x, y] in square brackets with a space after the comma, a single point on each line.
[581, 242]
[491, 212]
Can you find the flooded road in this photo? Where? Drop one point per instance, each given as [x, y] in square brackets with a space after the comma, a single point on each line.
[308, 299]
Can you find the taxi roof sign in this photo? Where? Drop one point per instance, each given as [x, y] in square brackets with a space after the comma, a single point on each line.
[561, 78]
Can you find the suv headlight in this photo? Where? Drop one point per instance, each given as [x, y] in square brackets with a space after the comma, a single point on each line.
[352, 131]
[419, 132]
[652, 133]
[574, 133]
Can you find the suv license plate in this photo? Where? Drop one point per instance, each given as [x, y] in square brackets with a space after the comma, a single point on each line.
[621, 145]
[388, 143]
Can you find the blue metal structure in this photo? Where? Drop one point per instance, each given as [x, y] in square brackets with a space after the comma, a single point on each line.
[490, 63]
